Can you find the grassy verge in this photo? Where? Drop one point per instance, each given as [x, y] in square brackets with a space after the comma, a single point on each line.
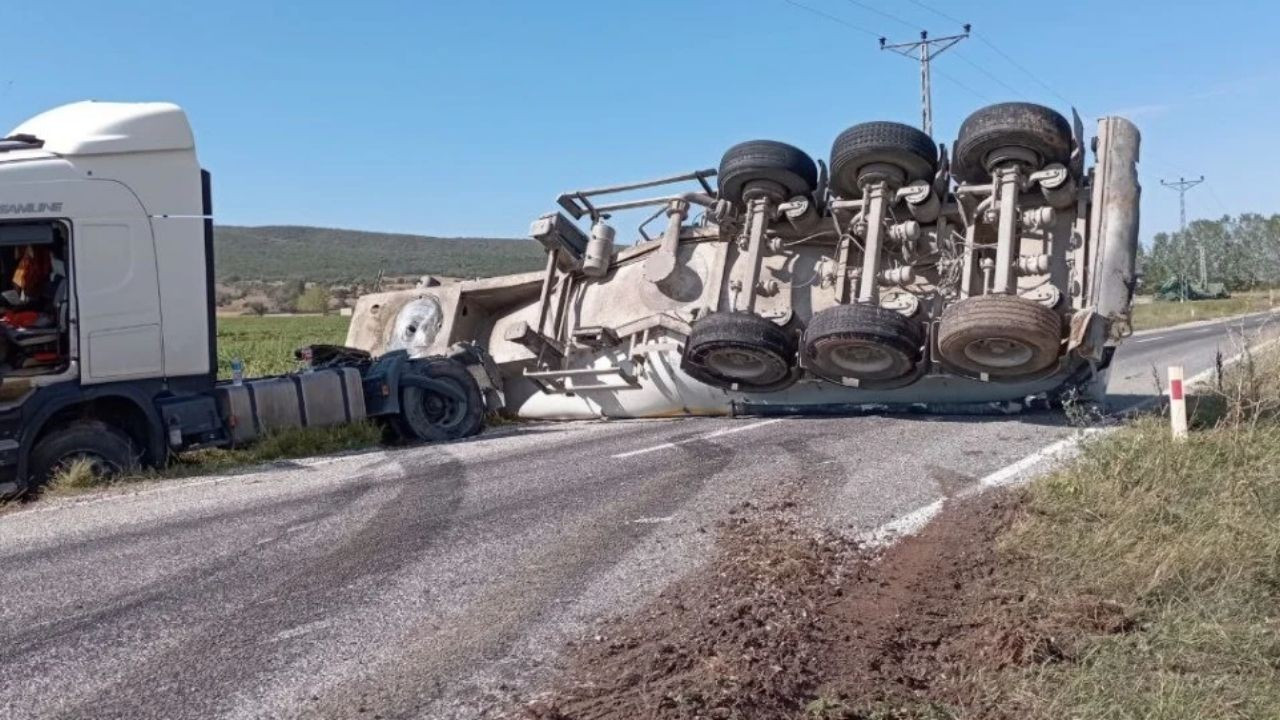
[283, 445]
[1183, 538]
[1159, 313]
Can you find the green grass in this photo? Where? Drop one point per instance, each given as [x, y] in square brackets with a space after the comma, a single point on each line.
[1160, 313]
[266, 344]
[325, 254]
[1185, 538]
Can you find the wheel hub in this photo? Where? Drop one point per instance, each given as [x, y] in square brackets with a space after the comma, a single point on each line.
[861, 358]
[739, 363]
[998, 352]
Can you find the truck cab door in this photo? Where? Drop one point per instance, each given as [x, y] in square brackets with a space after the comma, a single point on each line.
[117, 292]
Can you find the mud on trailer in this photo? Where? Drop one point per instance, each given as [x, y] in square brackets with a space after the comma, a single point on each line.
[107, 329]
[897, 275]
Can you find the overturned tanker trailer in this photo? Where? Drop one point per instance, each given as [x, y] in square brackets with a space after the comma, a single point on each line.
[900, 279]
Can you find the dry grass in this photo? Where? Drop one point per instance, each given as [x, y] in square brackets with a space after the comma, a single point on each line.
[283, 445]
[1185, 537]
[1159, 313]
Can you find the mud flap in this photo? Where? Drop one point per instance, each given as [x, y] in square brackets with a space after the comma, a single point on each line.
[1088, 335]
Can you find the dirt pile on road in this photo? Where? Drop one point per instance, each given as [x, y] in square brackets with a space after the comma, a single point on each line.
[789, 624]
[744, 638]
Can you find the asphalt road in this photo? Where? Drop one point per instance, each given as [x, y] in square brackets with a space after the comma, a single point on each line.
[436, 581]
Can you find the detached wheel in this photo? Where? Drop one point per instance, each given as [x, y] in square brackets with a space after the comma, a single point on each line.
[1039, 130]
[740, 351]
[907, 148]
[429, 416]
[784, 167]
[108, 451]
[1000, 335]
[862, 342]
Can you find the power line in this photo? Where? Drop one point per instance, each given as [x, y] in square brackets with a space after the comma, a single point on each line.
[952, 78]
[937, 12]
[840, 21]
[924, 51]
[991, 75]
[1000, 52]
[1182, 185]
[832, 18]
[882, 13]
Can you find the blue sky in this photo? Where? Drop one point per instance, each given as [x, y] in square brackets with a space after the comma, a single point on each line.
[468, 117]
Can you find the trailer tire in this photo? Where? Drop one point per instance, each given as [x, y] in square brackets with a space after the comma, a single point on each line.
[864, 342]
[1042, 131]
[426, 416]
[108, 449]
[1000, 335]
[740, 351]
[776, 162]
[905, 147]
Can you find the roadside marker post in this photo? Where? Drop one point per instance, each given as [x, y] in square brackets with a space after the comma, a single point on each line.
[1177, 403]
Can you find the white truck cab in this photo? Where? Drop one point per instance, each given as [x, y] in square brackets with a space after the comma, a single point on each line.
[107, 327]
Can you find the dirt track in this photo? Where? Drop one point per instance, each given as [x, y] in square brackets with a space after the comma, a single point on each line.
[787, 624]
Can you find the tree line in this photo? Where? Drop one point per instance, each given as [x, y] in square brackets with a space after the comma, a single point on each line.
[1241, 252]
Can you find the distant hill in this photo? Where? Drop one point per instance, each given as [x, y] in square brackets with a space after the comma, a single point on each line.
[283, 252]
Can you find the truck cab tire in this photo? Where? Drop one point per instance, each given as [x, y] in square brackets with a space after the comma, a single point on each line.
[1035, 128]
[862, 342]
[777, 164]
[108, 450]
[904, 147]
[740, 351]
[427, 416]
[1001, 336]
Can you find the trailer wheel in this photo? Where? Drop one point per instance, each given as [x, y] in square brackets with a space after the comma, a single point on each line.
[1042, 131]
[107, 450]
[889, 143]
[740, 351]
[429, 416]
[778, 164]
[1000, 335]
[863, 342]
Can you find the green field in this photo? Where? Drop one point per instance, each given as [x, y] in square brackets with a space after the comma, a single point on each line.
[266, 344]
[1162, 313]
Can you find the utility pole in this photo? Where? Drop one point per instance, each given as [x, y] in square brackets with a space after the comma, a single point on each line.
[925, 50]
[1182, 186]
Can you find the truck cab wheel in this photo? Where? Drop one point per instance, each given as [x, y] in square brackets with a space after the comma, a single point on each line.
[740, 351]
[427, 416]
[1000, 335]
[107, 450]
[1040, 131]
[862, 342]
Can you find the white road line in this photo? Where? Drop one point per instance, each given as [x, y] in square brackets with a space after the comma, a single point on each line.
[1151, 339]
[1022, 471]
[909, 524]
[708, 436]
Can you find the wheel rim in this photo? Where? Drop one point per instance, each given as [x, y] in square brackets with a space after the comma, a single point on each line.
[998, 352]
[442, 411]
[856, 359]
[739, 363]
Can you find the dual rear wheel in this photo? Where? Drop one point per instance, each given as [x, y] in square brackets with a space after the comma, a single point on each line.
[996, 336]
